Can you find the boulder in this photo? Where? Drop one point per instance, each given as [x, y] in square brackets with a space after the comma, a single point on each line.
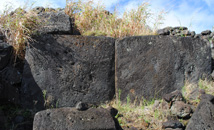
[185, 33]
[206, 32]
[164, 31]
[57, 23]
[81, 106]
[72, 119]
[202, 118]
[193, 34]
[38, 9]
[173, 124]
[62, 70]
[151, 66]
[173, 96]
[180, 28]
[181, 110]
[6, 51]
[11, 75]
[1, 37]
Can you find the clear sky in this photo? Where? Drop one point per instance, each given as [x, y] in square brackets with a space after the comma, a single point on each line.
[197, 15]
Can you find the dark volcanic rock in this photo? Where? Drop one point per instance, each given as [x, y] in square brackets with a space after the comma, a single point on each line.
[193, 34]
[38, 10]
[5, 54]
[72, 119]
[81, 106]
[163, 32]
[202, 118]
[180, 28]
[68, 69]
[151, 66]
[3, 120]
[172, 124]
[8, 93]
[181, 109]
[56, 23]
[9, 76]
[173, 96]
[206, 32]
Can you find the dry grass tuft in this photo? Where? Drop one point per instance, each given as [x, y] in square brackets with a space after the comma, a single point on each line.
[18, 27]
[208, 86]
[146, 115]
[95, 20]
[191, 92]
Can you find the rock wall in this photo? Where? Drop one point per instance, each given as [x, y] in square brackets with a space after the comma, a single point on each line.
[150, 66]
[67, 69]
[62, 68]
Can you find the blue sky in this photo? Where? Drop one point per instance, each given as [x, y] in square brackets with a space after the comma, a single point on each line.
[197, 15]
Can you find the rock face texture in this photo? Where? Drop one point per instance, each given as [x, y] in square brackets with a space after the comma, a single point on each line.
[202, 118]
[9, 76]
[150, 66]
[5, 54]
[57, 23]
[63, 70]
[72, 119]
[181, 110]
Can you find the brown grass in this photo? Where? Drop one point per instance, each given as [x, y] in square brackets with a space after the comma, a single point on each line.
[18, 27]
[95, 20]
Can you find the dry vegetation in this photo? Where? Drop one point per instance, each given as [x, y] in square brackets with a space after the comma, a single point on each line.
[18, 26]
[148, 116]
[93, 19]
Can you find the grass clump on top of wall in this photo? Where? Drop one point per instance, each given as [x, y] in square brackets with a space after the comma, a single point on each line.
[18, 27]
[93, 19]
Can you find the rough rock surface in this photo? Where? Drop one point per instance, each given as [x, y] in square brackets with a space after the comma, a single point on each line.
[181, 109]
[172, 124]
[67, 69]
[2, 120]
[57, 23]
[72, 119]
[176, 31]
[5, 54]
[151, 66]
[202, 118]
[9, 76]
[173, 96]
[8, 93]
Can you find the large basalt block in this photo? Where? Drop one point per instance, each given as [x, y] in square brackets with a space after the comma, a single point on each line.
[151, 66]
[57, 23]
[72, 119]
[202, 118]
[66, 69]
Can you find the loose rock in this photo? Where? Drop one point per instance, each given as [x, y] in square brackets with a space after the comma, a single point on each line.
[206, 32]
[202, 118]
[181, 109]
[173, 96]
[172, 124]
[72, 119]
